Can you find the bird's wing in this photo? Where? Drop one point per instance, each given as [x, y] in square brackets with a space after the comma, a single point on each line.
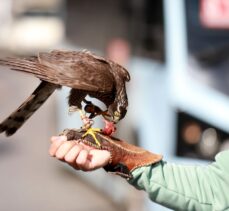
[79, 69]
[74, 69]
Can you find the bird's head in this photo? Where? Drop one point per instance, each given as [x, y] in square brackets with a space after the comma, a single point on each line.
[115, 113]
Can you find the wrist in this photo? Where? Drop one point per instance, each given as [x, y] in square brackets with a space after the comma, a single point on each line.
[125, 158]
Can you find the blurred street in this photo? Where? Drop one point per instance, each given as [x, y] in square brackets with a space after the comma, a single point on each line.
[30, 179]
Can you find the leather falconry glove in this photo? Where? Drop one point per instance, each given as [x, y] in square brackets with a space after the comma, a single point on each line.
[124, 157]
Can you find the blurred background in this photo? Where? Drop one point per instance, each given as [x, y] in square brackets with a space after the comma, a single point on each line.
[177, 54]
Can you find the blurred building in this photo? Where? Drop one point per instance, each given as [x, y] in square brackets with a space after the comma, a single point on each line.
[177, 55]
[28, 26]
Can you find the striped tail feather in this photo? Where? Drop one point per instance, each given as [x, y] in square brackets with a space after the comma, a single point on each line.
[11, 124]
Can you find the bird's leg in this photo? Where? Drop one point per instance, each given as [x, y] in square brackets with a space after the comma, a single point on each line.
[94, 111]
[89, 130]
[87, 122]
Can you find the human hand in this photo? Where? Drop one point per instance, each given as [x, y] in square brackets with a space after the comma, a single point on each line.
[77, 154]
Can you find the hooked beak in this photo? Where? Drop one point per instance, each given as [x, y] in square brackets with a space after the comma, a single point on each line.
[116, 119]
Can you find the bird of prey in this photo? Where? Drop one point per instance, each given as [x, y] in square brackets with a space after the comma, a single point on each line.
[85, 73]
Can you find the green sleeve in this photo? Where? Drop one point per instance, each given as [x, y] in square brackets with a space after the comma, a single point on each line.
[181, 187]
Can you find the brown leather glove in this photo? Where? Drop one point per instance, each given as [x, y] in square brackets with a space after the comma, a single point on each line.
[124, 157]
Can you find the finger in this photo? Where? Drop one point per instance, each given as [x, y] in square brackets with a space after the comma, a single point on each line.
[99, 158]
[64, 149]
[82, 159]
[72, 154]
[54, 146]
[73, 165]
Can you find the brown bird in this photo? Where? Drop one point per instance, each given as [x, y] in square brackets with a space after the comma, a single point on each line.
[85, 73]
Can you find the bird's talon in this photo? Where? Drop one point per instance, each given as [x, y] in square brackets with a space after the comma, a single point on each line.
[92, 132]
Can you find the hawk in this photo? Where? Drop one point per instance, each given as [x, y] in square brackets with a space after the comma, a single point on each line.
[85, 73]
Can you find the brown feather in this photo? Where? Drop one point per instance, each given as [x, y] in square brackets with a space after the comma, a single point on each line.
[84, 72]
[12, 123]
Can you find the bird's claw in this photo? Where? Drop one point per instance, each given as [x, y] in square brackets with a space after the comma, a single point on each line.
[92, 132]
